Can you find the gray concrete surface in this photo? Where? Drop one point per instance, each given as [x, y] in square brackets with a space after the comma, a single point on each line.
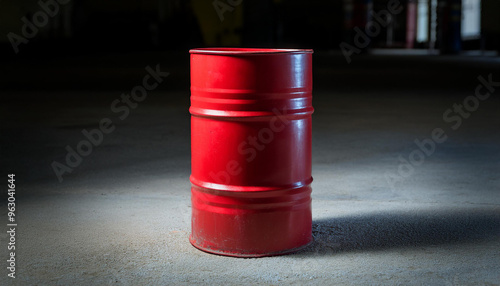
[122, 217]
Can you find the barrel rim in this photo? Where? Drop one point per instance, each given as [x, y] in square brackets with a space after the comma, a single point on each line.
[248, 51]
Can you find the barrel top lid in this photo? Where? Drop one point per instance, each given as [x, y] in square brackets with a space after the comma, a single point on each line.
[246, 51]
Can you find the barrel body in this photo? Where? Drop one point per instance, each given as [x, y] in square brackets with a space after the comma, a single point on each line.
[251, 150]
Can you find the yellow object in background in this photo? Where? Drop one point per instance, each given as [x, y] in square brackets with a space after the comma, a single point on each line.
[220, 25]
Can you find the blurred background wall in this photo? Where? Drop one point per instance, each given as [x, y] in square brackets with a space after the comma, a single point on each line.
[449, 26]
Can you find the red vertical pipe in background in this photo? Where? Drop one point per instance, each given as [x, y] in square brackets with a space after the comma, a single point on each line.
[411, 23]
[251, 150]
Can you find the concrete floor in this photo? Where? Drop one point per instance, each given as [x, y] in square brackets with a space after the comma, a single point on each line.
[122, 217]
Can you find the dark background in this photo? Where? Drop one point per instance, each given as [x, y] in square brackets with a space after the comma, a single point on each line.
[83, 26]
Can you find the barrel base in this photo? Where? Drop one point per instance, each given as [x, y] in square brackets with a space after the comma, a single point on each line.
[247, 255]
[251, 224]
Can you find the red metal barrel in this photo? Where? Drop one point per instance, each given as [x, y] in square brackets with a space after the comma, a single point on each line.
[251, 150]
